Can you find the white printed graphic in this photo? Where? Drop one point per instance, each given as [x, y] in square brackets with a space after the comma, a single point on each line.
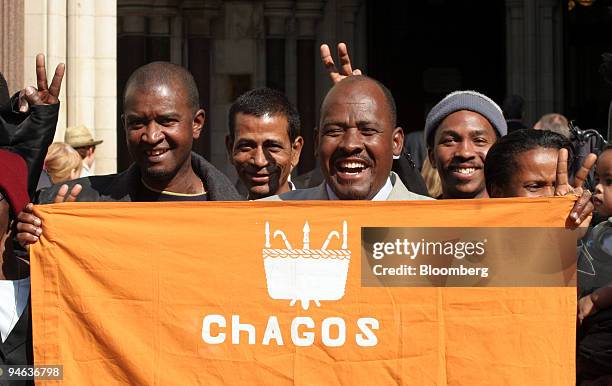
[306, 274]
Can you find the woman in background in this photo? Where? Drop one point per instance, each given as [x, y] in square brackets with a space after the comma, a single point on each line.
[62, 163]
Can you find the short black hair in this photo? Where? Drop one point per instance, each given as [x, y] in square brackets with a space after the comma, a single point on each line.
[500, 163]
[262, 101]
[165, 73]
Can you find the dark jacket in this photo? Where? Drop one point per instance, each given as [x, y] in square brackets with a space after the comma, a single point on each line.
[17, 349]
[409, 174]
[29, 135]
[414, 144]
[126, 185]
[309, 179]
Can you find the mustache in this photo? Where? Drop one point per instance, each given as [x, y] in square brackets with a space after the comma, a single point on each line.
[364, 158]
[271, 169]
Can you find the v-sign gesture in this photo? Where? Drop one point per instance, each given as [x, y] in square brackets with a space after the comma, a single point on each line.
[583, 208]
[345, 63]
[43, 94]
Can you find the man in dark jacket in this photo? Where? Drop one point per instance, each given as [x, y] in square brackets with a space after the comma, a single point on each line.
[161, 118]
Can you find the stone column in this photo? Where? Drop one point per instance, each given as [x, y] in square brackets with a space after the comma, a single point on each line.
[105, 97]
[44, 31]
[550, 57]
[276, 13]
[158, 38]
[534, 65]
[307, 14]
[11, 43]
[197, 19]
[346, 19]
[56, 52]
[530, 92]
[80, 63]
[514, 45]
[91, 74]
[131, 48]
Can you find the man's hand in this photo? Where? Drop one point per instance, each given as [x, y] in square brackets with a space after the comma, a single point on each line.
[586, 307]
[43, 95]
[345, 63]
[29, 227]
[582, 211]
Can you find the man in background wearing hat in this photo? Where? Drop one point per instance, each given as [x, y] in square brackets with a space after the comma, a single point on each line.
[15, 327]
[80, 138]
[459, 131]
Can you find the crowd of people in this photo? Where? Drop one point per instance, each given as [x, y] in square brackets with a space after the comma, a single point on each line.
[469, 153]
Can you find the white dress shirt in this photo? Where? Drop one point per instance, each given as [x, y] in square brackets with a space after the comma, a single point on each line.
[13, 301]
[382, 194]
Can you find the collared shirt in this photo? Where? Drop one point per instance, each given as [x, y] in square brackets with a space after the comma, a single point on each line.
[13, 301]
[86, 171]
[382, 194]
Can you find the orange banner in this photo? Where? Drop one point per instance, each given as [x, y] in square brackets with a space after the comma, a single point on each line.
[271, 293]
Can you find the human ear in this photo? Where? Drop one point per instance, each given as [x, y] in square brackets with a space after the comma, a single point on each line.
[297, 145]
[198, 123]
[398, 141]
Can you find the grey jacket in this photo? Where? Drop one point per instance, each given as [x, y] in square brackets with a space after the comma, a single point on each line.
[398, 193]
[126, 185]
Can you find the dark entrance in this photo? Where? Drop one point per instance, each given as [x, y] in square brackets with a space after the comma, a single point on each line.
[587, 35]
[422, 50]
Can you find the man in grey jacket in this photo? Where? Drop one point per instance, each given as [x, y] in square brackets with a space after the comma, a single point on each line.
[357, 139]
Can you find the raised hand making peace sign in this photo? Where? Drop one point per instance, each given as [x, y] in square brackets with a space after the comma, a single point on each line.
[43, 94]
[583, 208]
[345, 63]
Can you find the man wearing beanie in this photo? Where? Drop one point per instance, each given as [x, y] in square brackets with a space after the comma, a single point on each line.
[15, 327]
[459, 131]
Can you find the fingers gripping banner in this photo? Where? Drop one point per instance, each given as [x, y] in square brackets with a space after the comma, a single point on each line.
[289, 293]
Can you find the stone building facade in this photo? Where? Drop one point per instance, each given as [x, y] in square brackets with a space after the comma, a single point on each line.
[233, 45]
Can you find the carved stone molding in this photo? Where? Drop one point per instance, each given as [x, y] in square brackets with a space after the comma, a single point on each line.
[307, 13]
[277, 13]
[199, 14]
[11, 43]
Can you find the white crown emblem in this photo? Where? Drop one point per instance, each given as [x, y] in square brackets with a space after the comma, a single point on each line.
[306, 274]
